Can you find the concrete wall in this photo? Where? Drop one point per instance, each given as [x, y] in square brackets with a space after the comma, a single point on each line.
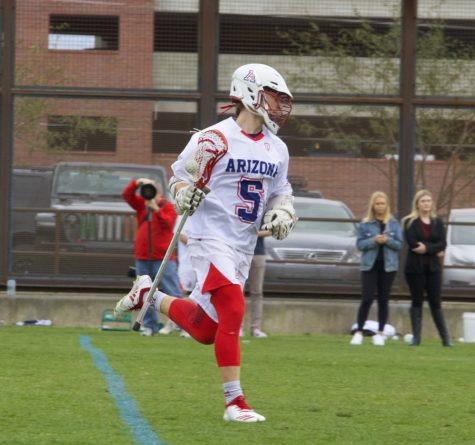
[281, 315]
[295, 316]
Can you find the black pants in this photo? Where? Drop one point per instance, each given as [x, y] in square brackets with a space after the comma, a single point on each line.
[376, 279]
[428, 282]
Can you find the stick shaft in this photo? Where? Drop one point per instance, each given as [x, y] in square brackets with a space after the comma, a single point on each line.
[161, 270]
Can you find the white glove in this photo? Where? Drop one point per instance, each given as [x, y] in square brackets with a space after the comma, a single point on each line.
[188, 198]
[280, 221]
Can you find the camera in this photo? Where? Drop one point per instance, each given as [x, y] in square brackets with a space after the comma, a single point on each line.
[148, 191]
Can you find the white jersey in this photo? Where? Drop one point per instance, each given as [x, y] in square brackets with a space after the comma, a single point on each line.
[242, 182]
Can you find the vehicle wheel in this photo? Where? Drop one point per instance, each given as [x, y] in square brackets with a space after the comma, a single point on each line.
[22, 264]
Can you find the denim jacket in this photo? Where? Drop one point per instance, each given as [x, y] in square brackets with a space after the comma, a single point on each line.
[366, 243]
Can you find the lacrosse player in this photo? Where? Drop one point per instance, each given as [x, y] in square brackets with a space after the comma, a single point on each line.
[246, 191]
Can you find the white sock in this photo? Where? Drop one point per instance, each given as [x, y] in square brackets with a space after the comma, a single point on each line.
[157, 299]
[232, 390]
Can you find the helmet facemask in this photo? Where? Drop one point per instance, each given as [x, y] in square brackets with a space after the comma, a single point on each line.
[275, 107]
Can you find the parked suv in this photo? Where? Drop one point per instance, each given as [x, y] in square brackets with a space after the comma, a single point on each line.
[31, 188]
[92, 230]
[316, 253]
[459, 258]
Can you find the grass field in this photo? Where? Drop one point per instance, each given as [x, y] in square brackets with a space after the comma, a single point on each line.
[313, 390]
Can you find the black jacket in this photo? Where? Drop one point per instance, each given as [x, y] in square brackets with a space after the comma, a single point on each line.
[435, 244]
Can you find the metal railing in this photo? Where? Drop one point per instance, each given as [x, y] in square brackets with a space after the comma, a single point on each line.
[104, 243]
[67, 245]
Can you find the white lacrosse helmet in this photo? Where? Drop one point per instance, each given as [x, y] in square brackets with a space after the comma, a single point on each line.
[263, 91]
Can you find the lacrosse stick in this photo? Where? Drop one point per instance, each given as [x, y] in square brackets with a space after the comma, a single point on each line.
[212, 146]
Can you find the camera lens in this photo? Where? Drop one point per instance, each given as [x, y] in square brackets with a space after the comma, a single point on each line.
[148, 191]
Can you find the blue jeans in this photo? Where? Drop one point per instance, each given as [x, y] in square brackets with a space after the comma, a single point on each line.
[168, 283]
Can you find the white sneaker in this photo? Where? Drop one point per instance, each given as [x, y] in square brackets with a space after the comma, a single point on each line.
[258, 333]
[184, 334]
[357, 339]
[378, 340]
[168, 328]
[134, 299]
[239, 411]
[146, 332]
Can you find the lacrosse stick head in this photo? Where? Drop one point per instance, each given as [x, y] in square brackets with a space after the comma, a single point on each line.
[212, 146]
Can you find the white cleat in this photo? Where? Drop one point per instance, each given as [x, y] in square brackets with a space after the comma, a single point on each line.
[258, 333]
[146, 332]
[357, 339]
[134, 299]
[168, 328]
[239, 411]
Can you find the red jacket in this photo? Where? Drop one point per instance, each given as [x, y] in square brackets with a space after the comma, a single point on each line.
[163, 223]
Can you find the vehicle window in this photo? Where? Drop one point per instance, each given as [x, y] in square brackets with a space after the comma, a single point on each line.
[100, 182]
[322, 210]
[31, 190]
[463, 234]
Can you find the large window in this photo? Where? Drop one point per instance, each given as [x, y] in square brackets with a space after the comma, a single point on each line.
[172, 125]
[83, 32]
[175, 32]
[175, 46]
[82, 133]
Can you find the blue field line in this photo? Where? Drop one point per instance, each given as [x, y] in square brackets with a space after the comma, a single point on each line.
[141, 430]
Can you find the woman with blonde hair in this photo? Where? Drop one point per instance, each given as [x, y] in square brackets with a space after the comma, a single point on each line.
[425, 236]
[379, 239]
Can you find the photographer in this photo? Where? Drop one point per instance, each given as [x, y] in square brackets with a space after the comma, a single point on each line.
[155, 223]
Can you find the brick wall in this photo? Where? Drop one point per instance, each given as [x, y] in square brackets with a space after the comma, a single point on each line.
[134, 137]
[353, 180]
[350, 180]
[131, 66]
